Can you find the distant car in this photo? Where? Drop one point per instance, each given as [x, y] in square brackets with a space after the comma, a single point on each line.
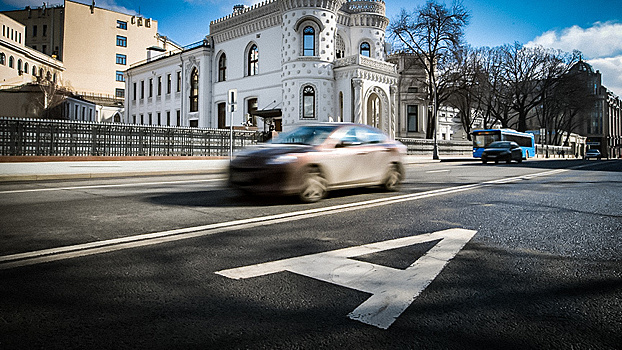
[592, 153]
[502, 151]
[310, 160]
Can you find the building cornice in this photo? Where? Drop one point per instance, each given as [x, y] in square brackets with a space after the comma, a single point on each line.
[247, 21]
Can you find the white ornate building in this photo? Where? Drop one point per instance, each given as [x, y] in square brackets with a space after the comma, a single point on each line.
[290, 61]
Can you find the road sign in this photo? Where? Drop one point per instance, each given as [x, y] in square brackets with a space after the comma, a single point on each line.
[392, 290]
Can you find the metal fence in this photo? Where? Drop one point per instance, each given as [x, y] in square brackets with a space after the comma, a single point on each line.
[32, 137]
[445, 148]
[36, 137]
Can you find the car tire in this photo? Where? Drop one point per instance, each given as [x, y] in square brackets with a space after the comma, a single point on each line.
[314, 188]
[520, 159]
[393, 179]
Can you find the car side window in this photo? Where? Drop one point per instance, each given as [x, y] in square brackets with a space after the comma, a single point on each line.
[349, 139]
[369, 136]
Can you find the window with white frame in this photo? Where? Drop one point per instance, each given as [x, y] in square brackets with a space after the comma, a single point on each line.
[194, 90]
[308, 102]
[308, 41]
[222, 67]
[365, 49]
[253, 61]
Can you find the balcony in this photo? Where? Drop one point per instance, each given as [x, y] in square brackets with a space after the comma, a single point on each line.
[358, 61]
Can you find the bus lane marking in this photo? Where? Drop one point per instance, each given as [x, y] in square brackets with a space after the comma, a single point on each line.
[392, 290]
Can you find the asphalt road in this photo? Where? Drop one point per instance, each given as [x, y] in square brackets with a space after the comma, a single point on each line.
[466, 256]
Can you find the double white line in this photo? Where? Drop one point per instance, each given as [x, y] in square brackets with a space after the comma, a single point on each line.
[78, 250]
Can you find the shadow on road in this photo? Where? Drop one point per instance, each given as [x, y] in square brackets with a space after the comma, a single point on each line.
[590, 165]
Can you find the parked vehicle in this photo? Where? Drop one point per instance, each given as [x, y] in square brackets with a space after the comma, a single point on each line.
[502, 151]
[592, 153]
[311, 160]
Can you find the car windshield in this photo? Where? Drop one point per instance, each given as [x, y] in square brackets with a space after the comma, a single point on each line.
[305, 135]
[499, 144]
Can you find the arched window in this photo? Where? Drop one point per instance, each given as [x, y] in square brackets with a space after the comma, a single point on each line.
[308, 41]
[308, 102]
[253, 61]
[19, 65]
[340, 47]
[2, 59]
[365, 49]
[194, 90]
[34, 70]
[11, 62]
[26, 67]
[222, 68]
[41, 72]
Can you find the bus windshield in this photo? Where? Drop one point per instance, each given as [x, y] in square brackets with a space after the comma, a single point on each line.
[482, 140]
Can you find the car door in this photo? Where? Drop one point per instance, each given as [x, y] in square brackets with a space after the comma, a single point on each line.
[345, 164]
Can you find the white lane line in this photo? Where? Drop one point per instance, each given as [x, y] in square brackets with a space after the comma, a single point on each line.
[67, 252]
[140, 184]
[438, 171]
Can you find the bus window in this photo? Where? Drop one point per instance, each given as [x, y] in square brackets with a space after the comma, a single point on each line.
[482, 140]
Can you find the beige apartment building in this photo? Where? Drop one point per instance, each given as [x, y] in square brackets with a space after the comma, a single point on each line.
[20, 64]
[96, 45]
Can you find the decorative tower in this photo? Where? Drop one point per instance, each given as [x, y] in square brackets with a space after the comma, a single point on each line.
[309, 28]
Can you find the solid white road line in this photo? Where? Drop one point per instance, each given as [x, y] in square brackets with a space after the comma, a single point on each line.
[139, 184]
[67, 252]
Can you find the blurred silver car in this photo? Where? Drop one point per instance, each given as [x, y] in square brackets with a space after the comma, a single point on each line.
[311, 160]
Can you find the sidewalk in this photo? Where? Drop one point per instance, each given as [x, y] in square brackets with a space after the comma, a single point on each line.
[32, 169]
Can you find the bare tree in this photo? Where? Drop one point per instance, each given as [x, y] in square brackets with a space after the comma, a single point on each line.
[54, 94]
[431, 32]
[468, 86]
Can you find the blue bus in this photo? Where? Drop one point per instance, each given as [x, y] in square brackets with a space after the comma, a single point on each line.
[483, 138]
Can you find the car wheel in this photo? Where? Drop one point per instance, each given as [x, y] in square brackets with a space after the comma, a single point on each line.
[509, 160]
[393, 179]
[520, 159]
[314, 187]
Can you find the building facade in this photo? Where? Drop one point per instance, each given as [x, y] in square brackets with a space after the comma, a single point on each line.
[20, 64]
[96, 45]
[289, 61]
[613, 125]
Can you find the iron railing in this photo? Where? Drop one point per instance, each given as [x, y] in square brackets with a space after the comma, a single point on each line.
[446, 148]
[33, 137]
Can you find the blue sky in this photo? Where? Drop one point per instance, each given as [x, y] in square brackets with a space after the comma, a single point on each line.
[593, 27]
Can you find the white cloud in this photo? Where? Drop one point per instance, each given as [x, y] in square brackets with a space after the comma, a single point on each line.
[611, 70]
[111, 5]
[600, 44]
[600, 40]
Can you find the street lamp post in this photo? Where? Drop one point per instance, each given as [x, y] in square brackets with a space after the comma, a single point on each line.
[435, 115]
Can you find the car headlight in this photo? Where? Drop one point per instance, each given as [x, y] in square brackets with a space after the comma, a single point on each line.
[283, 159]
